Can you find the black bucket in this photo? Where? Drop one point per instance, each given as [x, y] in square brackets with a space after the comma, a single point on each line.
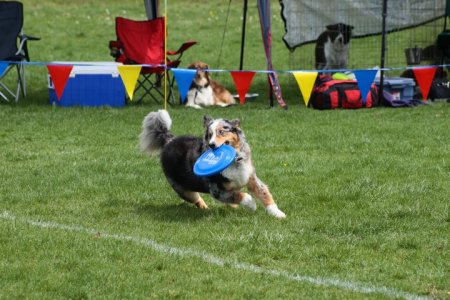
[413, 55]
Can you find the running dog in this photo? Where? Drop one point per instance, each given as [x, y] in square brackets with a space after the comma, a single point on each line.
[204, 91]
[332, 47]
[178, 156]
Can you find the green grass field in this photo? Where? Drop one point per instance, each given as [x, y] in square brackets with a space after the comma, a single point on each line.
[85, 215]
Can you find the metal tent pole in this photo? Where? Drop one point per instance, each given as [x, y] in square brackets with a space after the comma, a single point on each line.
[151, 8]
[244, 23]
[383, 50]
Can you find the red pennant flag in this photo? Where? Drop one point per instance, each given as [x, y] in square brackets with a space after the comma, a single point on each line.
[242, 81]
[59, 75]
[424, 77]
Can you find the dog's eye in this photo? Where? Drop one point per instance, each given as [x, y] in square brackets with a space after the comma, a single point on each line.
[221, 132]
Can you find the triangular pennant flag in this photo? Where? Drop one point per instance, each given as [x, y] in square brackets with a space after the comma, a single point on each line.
[129, 75]
[424, 78]
[242, 81]
[184, 78]
[305, 81]
[365, 78]
[59, 75]
[3, 66]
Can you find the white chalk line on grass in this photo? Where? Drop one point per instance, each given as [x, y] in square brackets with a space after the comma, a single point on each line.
[222, 262]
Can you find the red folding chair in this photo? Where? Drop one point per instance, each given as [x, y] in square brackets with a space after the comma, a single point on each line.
[142, 43]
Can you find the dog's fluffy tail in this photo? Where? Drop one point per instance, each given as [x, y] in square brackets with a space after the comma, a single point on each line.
[155, 131]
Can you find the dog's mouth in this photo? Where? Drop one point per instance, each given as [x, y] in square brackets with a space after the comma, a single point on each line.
[214, 145]
[201, 80]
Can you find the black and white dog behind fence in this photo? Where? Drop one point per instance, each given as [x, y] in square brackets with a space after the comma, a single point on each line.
[332, 47]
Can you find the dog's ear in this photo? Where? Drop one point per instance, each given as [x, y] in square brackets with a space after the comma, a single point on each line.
[235, 124]
[192, 66]
[332, 27]
[207, 120]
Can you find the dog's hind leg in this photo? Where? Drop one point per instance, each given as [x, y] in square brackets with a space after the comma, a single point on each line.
[194, 198]
[261, 191]
[189, 196]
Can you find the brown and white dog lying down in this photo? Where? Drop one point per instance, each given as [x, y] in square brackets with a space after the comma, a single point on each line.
[204, 91]
[178, 155]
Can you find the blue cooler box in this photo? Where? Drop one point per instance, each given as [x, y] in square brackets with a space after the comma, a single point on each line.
[400, 88]
[93, 84]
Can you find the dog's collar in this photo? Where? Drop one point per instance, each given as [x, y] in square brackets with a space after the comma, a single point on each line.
[197, 89]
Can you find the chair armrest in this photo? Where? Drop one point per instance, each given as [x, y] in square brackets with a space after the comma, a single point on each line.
[116, 51]
[23, 49]
[115, 45]
[23, 41]
[29, 37]
[183, 47]
[115, 48]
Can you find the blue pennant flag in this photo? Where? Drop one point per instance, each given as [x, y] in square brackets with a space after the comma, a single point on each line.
[3, 66]
[365, 79]
[184, 78]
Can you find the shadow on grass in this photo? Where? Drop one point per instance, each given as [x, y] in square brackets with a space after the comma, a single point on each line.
[183, 212]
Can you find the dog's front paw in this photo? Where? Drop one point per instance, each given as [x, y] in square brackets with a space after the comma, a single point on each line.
[273, 210]
[196, 106]
[248, 202]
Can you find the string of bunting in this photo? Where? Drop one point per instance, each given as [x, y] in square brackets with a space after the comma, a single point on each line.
[305, 79]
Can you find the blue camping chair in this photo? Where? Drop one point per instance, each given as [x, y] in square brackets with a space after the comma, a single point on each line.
[13, 48]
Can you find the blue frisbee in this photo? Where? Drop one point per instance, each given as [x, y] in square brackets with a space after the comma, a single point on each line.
[214, 161]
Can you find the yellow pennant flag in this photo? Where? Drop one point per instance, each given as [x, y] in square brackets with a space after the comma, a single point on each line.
[305, 81]
[129, 75]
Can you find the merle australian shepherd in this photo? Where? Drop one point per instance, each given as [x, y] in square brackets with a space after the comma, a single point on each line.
[179, 153]
[332, 47]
